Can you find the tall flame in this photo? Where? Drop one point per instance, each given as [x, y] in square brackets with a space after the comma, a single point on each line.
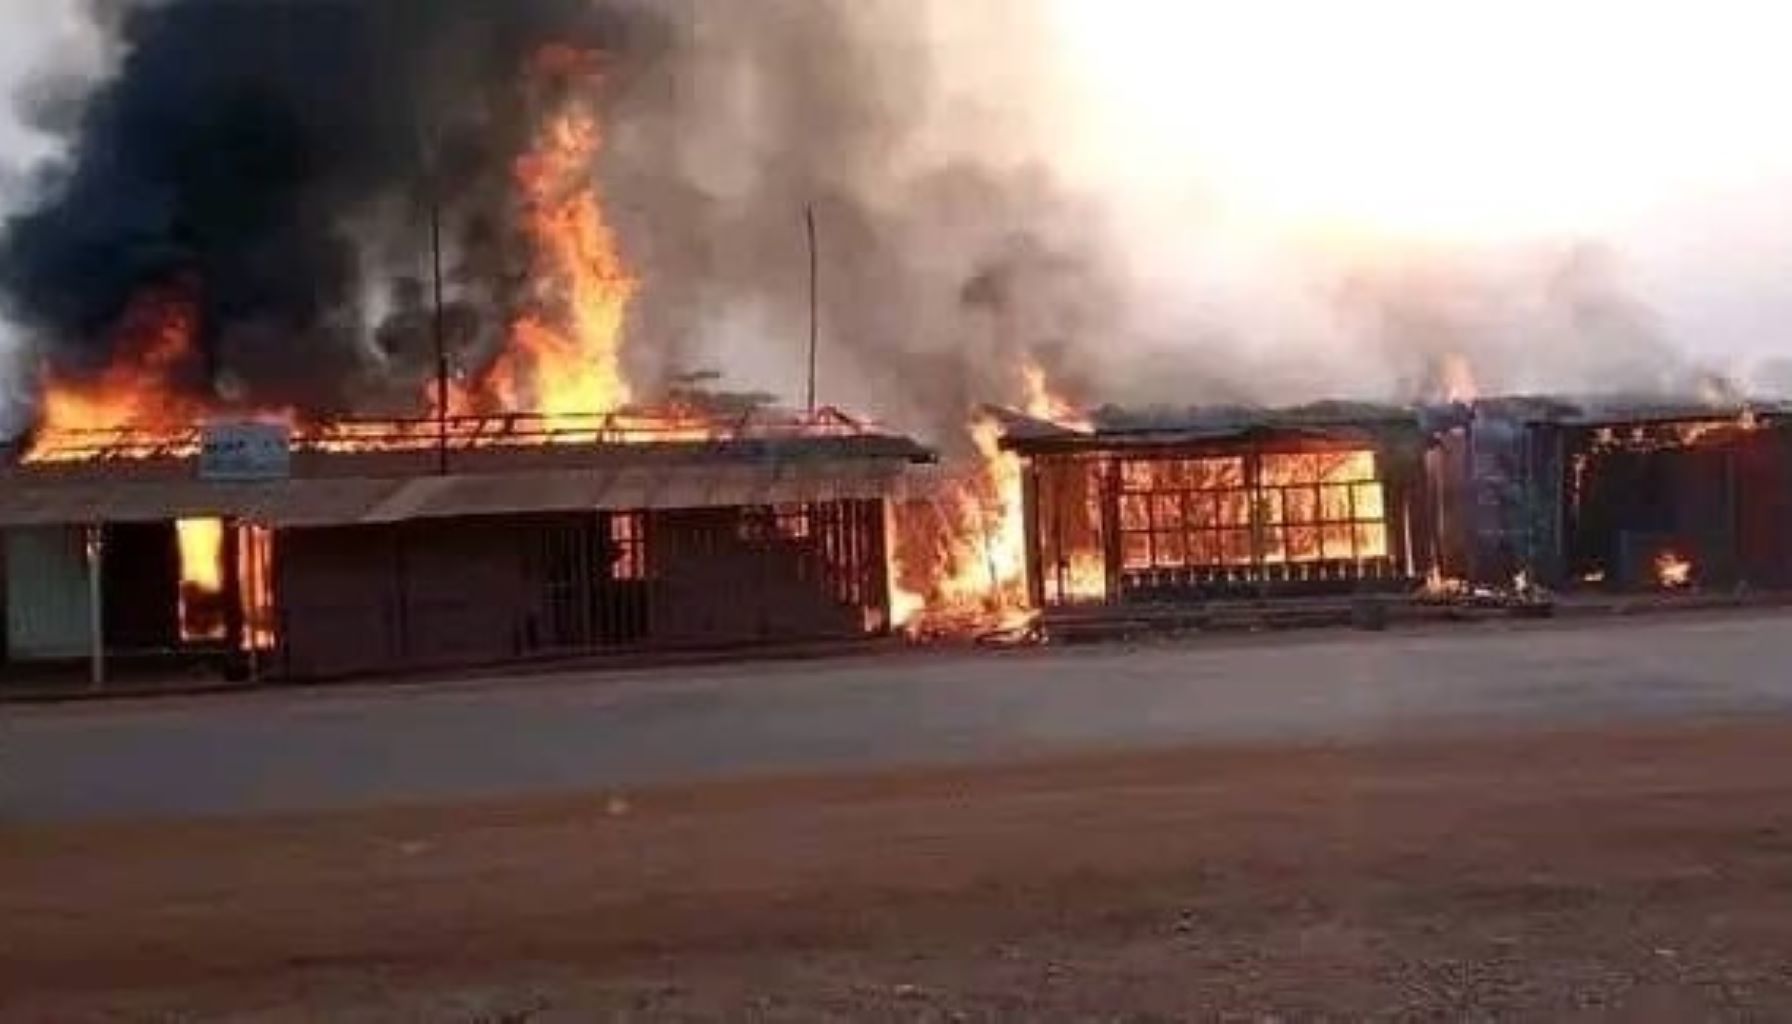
[564, 355]
[973, 569]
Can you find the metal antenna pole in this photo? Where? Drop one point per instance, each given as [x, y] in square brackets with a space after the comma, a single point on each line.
[809, 222]
[435, 256]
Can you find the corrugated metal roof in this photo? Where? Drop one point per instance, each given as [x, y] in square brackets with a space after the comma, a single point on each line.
[1113, 427]
[321, 501]
[1229, 420]
[49, 501]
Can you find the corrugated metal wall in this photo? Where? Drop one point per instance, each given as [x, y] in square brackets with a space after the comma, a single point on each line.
[369, 599]
[1724, 504]
[336, 591]
[717, 578]
[1765, 522]
[462, 584]
[46, 583]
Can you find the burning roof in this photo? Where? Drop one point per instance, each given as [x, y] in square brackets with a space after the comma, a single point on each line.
[381, 472]
[1610, 409]
[1112, 426]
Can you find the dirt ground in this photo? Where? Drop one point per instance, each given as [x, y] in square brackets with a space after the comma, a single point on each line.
[1635, 873]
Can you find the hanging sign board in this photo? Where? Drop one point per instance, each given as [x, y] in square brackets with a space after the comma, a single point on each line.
[245, 451]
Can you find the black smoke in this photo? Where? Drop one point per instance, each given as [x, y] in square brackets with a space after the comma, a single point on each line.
[283, 154]
[279, 155]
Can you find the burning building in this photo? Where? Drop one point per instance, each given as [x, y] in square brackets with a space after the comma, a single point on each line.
[381, 547]
[1476, 498]
[202, 473]
[1618, 494]
[232, 202]
[1322, 499]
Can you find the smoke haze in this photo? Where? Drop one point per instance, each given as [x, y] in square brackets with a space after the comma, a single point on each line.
[976, 209]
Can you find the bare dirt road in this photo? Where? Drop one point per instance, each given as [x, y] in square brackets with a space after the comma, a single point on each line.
[1637, 874]
[1533, 867]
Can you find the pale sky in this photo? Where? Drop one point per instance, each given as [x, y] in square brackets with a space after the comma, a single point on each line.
[1654, 128]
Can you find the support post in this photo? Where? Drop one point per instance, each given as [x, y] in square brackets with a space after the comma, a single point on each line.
[1113, 551]
[1033, 539]
[96, 615]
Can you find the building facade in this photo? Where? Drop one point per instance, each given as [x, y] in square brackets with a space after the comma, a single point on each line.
[369, 558]
[1226, 503]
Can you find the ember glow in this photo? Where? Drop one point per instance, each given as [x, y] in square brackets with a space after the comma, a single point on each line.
[1458, 379]
[1672, 572]
[1085, 577]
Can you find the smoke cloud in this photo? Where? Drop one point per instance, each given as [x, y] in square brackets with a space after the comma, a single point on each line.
[277, 161]
[282, 157]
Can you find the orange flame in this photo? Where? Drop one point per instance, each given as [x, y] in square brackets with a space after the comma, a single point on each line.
[1042, 403]
[1458, 379]
[154, 341]
[971, 562]
[976, 577]
[561, 360]
[254, 569]
[564, 355]
[201, 545]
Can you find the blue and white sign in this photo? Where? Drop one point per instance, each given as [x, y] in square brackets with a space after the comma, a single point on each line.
[245, 451]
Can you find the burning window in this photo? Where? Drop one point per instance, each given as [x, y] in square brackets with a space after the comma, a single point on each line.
[628, 535]
[201, 600]
[764, 524]
[1176, 512]
[1073, 566]
[1303, 507]
[255, 586]
[792, 521]
[1322, 507]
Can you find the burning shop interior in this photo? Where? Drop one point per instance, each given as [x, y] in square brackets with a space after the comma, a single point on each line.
[1613, 493]
[1622, 494]
[1224, 503]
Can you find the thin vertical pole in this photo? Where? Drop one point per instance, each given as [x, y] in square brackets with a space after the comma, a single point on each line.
[96, 615]
[435, 257]
[809, 223]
